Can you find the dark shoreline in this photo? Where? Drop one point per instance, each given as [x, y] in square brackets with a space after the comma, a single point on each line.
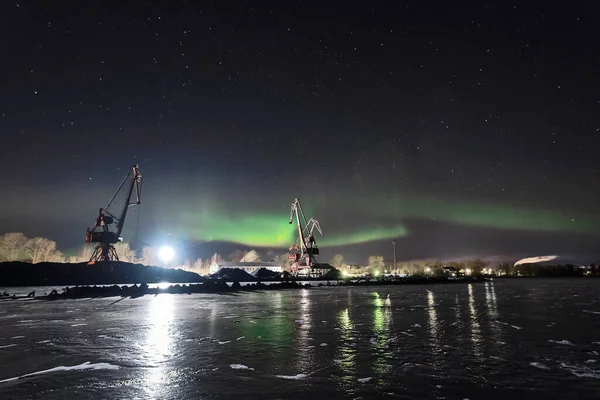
[220, 287]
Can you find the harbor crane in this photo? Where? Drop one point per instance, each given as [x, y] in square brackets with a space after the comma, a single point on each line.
[107, 228]
[303, 251]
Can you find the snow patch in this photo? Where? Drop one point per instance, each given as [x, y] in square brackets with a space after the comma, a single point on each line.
[84, 366]
[7, 345]
[538, 365]
[364, 380]
[17, 337]
[564, 342]
[512, 326]
[581, 371]
[78, 324]
[225, 342]
[294, 377]
[323, 344]
[241, 337]
[241, 366]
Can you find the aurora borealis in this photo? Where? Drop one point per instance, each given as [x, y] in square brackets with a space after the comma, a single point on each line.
[272, 230]
[456, 132]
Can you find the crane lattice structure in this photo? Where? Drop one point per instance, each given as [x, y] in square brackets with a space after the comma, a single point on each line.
[303, 251]
[108, 228]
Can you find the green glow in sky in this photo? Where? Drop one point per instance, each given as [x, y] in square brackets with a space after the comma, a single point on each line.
[484, 215]
[252, 230]
[363, 236]
[271, 229]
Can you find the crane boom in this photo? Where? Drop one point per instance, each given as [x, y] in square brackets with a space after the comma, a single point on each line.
[101, 232]
[137, 183]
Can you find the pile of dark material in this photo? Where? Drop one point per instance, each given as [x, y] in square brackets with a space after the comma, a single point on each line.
[233, 275]
[266, 274]
[101, 273]
[143, 289]
[334, 274]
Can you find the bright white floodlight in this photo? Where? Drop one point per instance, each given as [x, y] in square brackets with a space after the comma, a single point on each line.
[166, 253]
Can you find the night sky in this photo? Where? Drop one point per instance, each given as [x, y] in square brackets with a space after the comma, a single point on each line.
[466, 130]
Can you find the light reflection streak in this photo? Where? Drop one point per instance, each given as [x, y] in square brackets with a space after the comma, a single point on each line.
[433, 322]
[305, 353]
[382, 318]
[475, 327]
[346, 351]
[158, 347]
[492, 310]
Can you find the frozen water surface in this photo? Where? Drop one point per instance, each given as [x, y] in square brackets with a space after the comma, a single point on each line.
[520, 338]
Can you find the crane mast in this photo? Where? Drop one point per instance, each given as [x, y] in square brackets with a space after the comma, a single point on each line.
[303, 252]
[103, 233]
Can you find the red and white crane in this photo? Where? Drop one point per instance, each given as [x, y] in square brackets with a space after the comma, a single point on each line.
[303, 251]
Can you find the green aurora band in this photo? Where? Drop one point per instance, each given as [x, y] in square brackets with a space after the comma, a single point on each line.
[273, 230]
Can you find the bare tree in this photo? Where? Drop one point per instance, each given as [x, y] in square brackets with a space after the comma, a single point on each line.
[283, 260]
[40, 249]
[237, 255]
[13, 245]
[251, 256]
[86, 253]
[476, 266]
[56, 257]
[125, 252]
[216, 258]
[337, 261]
[376, 262]
[148, 256]
[201, 267]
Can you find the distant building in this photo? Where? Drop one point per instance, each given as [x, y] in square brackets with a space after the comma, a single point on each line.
[450, 271]
[248, 267]
[317, 270]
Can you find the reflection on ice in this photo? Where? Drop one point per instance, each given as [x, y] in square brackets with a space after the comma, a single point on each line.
[433, 323]
[475, 327]
[382, 319]
[158, 346]
[305, 351]
[346, 351]
[492, 311]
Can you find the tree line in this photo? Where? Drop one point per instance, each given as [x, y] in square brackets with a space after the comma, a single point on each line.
[15, 246]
